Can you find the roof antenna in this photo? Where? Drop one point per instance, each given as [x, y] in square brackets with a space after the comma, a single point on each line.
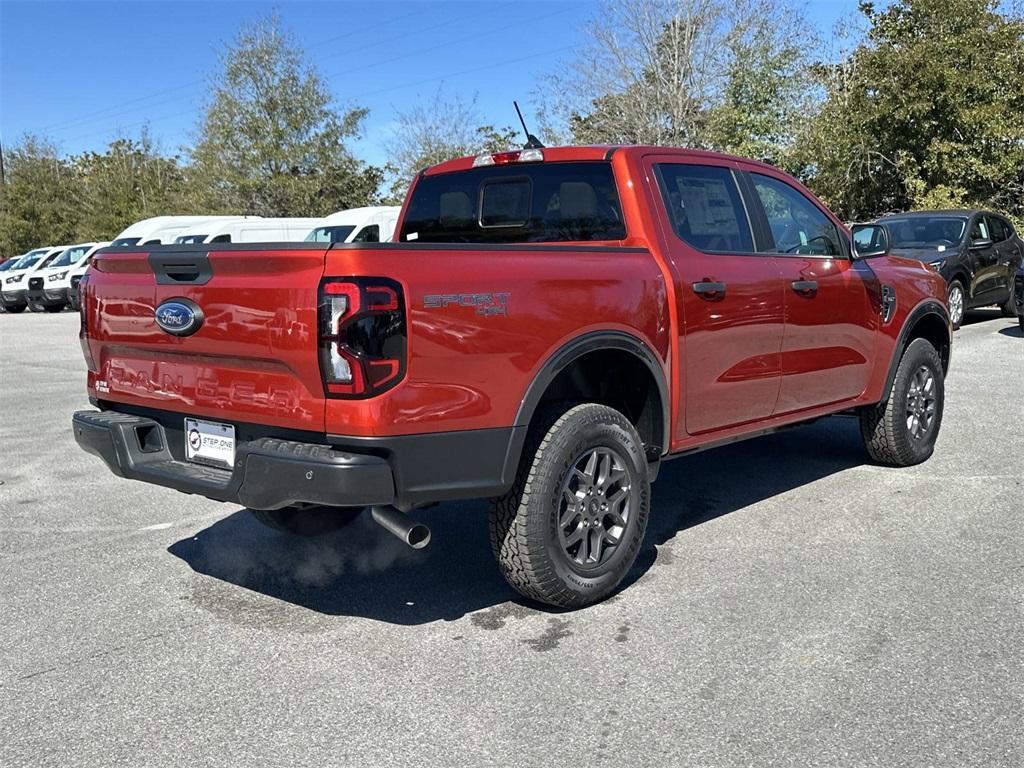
[532, 142]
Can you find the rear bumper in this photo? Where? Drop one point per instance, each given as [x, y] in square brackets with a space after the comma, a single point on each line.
[268, 473]
[277, 468]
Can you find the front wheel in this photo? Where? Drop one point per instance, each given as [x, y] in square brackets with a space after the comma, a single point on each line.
[571, 526]
[956, 300]
[16, 309]
[53, 308]
[1009, 307]
[902, 430]
[307, 521]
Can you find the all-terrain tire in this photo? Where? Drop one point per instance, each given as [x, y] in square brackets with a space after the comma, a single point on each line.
[307, 521]
[525, 523]
[884, 427]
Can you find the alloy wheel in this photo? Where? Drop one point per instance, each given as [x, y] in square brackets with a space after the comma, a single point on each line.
[921, 403]
[956, 304]
[594, 507]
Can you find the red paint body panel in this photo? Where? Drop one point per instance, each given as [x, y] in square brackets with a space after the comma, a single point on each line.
[761, 357]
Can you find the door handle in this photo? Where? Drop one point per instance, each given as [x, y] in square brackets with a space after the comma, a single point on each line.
[709, 289]
[805, 287]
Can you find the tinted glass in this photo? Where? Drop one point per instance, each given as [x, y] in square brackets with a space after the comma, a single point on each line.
[190, 239]
[516, 203]
[225, 238]
[125, 241]
[330, 234]
[798, 226]
[704, 207]
[979, 229]
[370, 234]
[996, 228]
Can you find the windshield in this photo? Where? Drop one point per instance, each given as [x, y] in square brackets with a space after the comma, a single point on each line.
[123, 242]
[190, 239]
[925, 231]
[71, 256]
[330, 234]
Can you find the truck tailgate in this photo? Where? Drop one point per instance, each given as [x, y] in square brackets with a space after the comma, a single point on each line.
[254, 356]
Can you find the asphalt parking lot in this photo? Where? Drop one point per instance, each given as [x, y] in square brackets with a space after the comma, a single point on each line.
[793, 606]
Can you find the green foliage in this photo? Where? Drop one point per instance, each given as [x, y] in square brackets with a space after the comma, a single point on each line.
[38, 202]
[128, 182]
[926, 112]
[271, 142]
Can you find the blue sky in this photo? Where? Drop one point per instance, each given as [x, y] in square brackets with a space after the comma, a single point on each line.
[81, 73]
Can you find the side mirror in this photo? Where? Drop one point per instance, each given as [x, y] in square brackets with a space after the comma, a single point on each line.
[870, 241]
[979, 243]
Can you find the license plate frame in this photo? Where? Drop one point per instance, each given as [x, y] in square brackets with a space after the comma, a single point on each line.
[210, 442]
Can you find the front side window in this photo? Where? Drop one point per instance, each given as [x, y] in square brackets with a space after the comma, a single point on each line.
[125, 242]
[996, 228]
[368, 234]
[798, 226]
[979, 230]
[704, 207]
[330, 234]
[516, 203]
[190, 239]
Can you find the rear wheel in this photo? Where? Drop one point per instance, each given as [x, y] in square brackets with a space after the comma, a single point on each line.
[956, 300]
[571, 526]
[307, 521]
[902, 430]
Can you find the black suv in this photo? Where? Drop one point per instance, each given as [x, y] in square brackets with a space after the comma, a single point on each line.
[978, 253]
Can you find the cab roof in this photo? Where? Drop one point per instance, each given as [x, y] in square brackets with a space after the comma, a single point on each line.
[595, 152]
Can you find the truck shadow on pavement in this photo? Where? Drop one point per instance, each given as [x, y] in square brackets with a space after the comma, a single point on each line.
[363, 571]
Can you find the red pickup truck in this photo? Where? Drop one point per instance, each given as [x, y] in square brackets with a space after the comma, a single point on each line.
[549, 326]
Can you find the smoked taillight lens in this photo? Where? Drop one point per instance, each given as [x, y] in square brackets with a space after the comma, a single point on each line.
[362, 336]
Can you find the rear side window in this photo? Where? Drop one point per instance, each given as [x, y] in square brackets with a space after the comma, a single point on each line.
[799, 227]
[225, 238]
[704, 207]
[520, 203]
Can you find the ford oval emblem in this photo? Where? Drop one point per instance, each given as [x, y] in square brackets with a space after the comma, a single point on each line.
[179, 317]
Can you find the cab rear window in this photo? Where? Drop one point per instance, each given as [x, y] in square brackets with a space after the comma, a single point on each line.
[516, 203]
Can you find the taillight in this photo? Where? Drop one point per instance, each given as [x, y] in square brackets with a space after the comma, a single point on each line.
[362, 336]
[83, 324]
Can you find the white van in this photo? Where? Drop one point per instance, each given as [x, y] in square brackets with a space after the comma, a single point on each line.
[162, 229]
[15, 279]
[373, 224]
[56, 286]
[248, 229]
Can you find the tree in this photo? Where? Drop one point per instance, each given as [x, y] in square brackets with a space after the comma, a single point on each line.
[430, 132]
[699, 73]
[271, 142]
[38, 201]
[924, 113]
[128, 182]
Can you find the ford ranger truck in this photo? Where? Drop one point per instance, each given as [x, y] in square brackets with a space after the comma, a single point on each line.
[548, 326]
